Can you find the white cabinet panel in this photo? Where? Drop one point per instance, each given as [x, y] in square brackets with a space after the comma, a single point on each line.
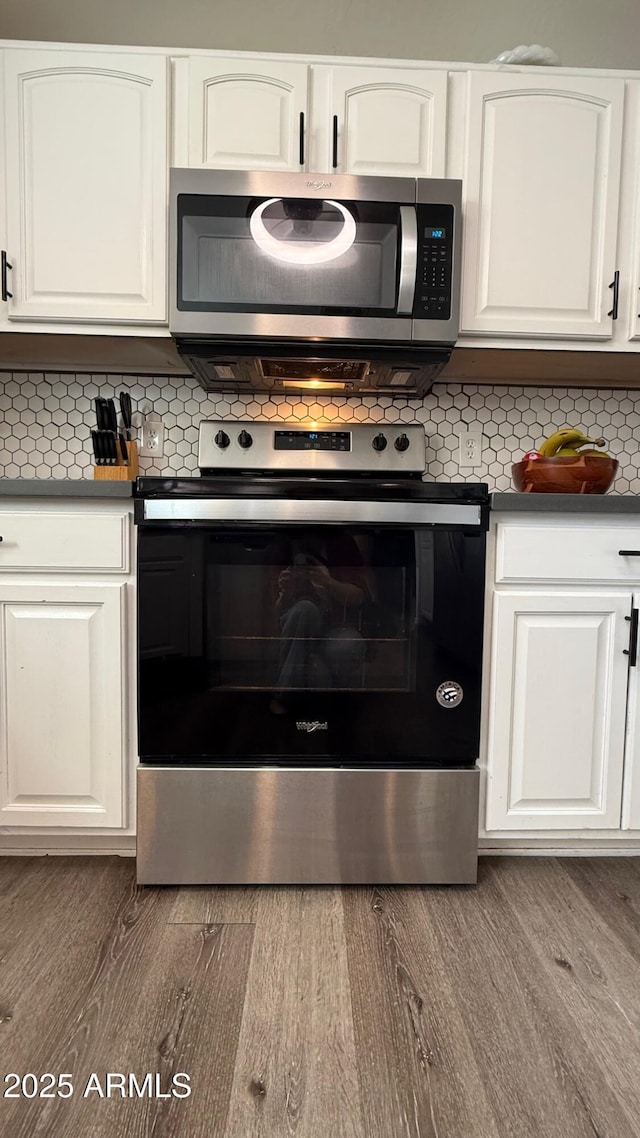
[541, 188]
[567, 553]
[86, 168]
[53, 541]
[244, 114]
[557, 710]
[391, 121]
[61, 702]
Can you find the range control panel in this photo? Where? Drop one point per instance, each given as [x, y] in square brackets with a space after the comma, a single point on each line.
[435, 259]
[364, 448]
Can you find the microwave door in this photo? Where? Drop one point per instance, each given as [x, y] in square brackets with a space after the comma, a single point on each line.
[288, 267]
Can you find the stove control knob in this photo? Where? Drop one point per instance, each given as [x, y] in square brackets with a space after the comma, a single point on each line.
[245, 440]
[379, 443]
[222, 440]
[401, 443]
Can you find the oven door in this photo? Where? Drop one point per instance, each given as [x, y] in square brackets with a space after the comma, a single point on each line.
[356, 644]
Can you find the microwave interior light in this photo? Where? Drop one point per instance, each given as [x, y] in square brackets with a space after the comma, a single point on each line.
[298, 252]
[315, 384]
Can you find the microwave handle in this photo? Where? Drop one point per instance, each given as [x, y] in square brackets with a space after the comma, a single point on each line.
[408, 260]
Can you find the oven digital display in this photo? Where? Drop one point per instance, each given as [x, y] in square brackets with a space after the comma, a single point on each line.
[438, 234]
[312, 440]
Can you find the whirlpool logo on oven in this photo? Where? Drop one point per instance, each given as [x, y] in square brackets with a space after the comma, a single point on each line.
[316, 725]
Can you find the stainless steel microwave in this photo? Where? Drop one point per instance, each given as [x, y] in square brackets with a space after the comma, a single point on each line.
[315, 269]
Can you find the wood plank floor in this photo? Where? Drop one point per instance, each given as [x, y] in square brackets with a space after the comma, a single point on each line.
[510, 1010]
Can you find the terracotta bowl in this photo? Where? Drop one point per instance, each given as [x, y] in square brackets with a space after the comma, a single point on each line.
[586, 474]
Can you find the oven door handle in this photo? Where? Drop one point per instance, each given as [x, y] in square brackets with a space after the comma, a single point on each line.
[305, 511]
[408, 259]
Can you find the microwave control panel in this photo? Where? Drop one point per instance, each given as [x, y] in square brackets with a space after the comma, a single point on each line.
[432, 299]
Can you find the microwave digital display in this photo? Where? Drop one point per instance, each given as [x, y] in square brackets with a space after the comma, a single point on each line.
[435, 233]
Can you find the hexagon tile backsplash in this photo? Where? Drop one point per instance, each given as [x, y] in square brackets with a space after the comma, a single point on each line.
[45, 422]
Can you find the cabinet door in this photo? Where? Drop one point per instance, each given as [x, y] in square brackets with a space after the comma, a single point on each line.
[630, 219]
[86, 171]
[389, 121]
[62, 738]
[557, 710]
[541, 188]
[244, 114]
[631, 796]
[4, 306]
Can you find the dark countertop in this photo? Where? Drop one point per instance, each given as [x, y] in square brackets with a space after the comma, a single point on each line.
[63, 488]
[521, 503]
[567, 503]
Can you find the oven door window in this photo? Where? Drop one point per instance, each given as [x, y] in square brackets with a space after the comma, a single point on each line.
[286, 255]
[307, 643]
[310, 610]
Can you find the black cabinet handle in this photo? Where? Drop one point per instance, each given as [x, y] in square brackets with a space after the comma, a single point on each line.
[6, 295]
[632, 650]
[334, 159]
[615, 285]
[629, 553]
[301, 156]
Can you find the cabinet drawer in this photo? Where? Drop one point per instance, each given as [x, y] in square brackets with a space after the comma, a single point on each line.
[64, 541]
[567, 553]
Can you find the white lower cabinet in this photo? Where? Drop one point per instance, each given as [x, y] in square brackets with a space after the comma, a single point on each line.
[562, 692]
[631, 796]
[62, 721]
[558, 699]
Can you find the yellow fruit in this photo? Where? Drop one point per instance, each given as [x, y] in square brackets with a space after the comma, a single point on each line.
[598, 453]
[568, 438]
[566, 452]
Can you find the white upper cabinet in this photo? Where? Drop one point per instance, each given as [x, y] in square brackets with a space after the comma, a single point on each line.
[259, 114]
[241, 114]
[630, 216]
[4, 269]
[385, 121]
[541, 188]
[86, 177]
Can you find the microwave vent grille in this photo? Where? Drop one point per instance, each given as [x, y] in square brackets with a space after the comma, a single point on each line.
[343, 371]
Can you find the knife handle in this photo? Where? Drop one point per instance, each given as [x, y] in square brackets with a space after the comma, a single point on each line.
[112, 418]
[125, 410]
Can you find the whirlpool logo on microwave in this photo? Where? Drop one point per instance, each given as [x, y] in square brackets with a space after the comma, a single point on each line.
[316, 725]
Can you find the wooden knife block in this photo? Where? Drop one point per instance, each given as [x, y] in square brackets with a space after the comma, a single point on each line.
[121, 472]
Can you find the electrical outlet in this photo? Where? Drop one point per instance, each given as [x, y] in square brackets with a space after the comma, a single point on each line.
[152, 438]
[470, 450]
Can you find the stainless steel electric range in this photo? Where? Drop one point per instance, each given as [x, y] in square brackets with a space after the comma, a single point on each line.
[310, 619]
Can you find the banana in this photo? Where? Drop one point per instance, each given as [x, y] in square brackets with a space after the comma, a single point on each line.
[565, 437]
[568, 439]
